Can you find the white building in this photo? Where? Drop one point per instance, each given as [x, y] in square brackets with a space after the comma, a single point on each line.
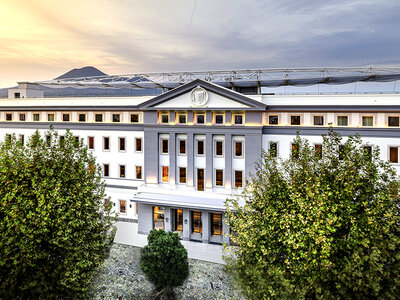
[170, 161]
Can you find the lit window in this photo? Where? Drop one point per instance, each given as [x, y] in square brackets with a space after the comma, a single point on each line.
[82, 117]
[106, 143]
[22, 117]
[138, 172]
[134, 118]
[164, 146]
[319, 120]
[219, 119]
[343, 121]
[196, 222]
[122, 171]
[182, 146]
[200, 179]
[106, 170]
[36, 117]
[116, 118]
[238, 179]
[273, 149]
[295, 151]
[393, 121]
[219, 177]
[216, 224]
[318, 150]
[182, 175]
[294, 120]
[273, 120]
[181, 118]
[177, 219]
[238, 149]
[164, 119]
[121, 144]
[138, 145]
[66, 117]
[164, 175]
[200, 147]
[200, 118]
[122, 206]
[50, 117]
[367, 121]
[8, 117]
[394, 155]
[219, 146]
[158, 217]
[98, 117]
[238, 119]
[91, 142]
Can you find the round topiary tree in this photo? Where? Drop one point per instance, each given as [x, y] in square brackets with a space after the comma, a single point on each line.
[164, 261]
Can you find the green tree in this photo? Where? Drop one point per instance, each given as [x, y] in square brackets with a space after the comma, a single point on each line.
[164, 261]
[318, 226]
[54, 228]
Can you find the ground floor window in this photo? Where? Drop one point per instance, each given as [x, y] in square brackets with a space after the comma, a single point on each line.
[216, 224]
[196, 222]
[158, 217]
[122, 206]
[177, 221]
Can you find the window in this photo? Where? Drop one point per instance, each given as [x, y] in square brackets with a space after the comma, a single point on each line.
[164, 146]
[182, 118]
[48, 140]
[367, 121]
[8, 137]
[393, 121]
[182, 146]
[367, 150]
[122, 171]
[394, 155]
[164, 175]
[106, 143]
[76, 141]
[238, 149]
[22, 139]
[121, 144]
[98, 117]
[138, 172]
[177, 221]
[343, 121]
[91, 142]
[200, 147]
[36, 117]
[295, 151]
[319, 120]
[200, 118]
[134, 118]
[17, 95]
[318, 150]
[238, 179]
[238, 119]
[216, 224]
[219, 177]
[138, 144]
[164, 118]
[273, 120]
[294, 120]
[273, 149]
[22, 117]
[82, 117]
[182, 175]
[8, 117]
[196, 222]
[219, 119]
[116, 118]
[106, 170]
[50, 117]
[158, 217]
[219, 146]
[200, 179]
[122, 206]
[342, 152]
[66, 117]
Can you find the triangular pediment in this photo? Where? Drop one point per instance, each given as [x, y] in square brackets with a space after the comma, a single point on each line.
[211, 97]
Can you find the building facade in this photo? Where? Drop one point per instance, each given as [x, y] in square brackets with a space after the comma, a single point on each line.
[170, 161]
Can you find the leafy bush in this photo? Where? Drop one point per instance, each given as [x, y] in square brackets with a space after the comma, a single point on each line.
[55, 228]
[164, 261]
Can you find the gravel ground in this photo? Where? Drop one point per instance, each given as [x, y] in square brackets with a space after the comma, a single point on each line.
[120, 277]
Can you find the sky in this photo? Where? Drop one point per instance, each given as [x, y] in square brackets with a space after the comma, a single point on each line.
[42, 39]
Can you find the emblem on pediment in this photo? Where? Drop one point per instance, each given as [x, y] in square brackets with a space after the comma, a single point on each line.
[199, 96]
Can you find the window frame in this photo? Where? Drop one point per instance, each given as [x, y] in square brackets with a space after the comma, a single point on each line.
[389, 160]
[119, 144]
[181, 114]
[130, 118]
[234, 149]
[215, 114]
[104, 144]
[220, 223]
[36, 115]
[141, 144]
[215, 148]
[119, 207]
[66, 114]
[162, 146]
[162, 174]
[392, 116]
[197, 147]
[161, 114]
[234, 115]
[24, 117]
[215, 178]
[296, 115]
[318, 115]
[136, 172]
[9, 115]
[104, 170]
[277, 147]
[98, 114]
[179, 146]
[362, 120]
[119, 117]
[48, 117]
[88, 141]
[122, 171]
[200, 114]
[180, 177]
[269, 123]
[234, 178]
[79, 117]
[337, 120]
